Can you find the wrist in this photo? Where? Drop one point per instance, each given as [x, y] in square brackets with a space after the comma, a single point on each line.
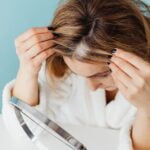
[27, 75]
[144, 112]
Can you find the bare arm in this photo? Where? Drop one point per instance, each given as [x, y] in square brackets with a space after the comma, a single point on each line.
[26, 88]
[32, 47]
[141, 131]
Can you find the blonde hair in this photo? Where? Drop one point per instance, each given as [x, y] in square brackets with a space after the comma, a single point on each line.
[102, 25]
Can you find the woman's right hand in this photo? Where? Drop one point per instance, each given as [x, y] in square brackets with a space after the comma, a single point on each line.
[32, 47]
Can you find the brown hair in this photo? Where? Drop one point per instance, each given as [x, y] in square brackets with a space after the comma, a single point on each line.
[101, 25]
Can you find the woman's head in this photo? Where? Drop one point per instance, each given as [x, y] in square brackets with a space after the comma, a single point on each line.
[86, 32]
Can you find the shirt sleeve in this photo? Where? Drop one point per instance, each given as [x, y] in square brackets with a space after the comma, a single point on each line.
[8, 112]
[12, 124]
[49, 105]
[8, 115]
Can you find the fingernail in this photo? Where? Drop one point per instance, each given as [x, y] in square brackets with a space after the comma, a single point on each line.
[50, 28]
[55, 34]
[113, 51]
[110, 56]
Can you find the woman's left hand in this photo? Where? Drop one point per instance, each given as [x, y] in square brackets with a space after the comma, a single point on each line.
[131, 75]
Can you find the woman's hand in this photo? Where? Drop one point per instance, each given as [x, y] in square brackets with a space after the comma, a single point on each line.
[32, 47]
[132, 77]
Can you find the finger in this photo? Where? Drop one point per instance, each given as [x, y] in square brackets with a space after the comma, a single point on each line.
[121, 76]
[131, 82]
[118, 82]
[31, 32]
[122, 88]
[36, 49]
[37, 60]
[34, 40]
[126, 67]
[135, 60]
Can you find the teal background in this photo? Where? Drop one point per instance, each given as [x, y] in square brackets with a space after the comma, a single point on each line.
[16, 17]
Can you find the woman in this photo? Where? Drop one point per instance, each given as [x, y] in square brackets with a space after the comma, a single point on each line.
[104, 44]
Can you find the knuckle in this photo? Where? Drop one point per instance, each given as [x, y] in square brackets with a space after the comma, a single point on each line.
[19, 51]
[39, 47]
[135, 91]
[51, 52]
[45, 54]
[36, 38]
[32, 30]
[147, 76]
[116, 71]
[142, 83]
[141, 86]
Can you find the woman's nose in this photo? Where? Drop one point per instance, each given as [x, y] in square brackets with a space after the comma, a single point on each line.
[93, 84]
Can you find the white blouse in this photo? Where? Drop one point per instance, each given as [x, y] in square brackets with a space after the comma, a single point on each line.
[73, 103]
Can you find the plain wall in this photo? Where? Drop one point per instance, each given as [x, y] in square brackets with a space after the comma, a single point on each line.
[16, 16]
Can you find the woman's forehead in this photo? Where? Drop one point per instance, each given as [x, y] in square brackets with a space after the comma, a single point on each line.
[82, 67]
[85, 69]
